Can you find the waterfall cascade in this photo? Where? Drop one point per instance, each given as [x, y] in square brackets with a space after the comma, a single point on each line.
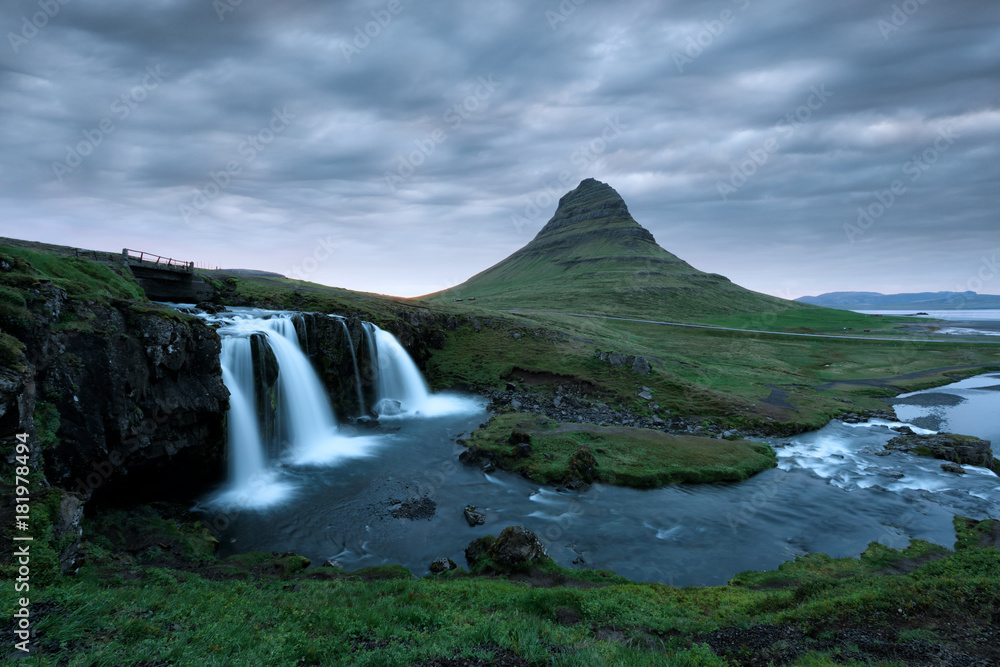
[357, 373]
[246, 452]
[399, 385]
[279, 409]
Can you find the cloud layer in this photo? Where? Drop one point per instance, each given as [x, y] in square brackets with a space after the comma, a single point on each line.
[401, 146]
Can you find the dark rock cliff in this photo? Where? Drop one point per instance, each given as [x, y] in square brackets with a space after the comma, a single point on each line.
[118, 395]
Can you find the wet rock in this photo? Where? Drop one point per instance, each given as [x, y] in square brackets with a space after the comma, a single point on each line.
[478, 549]
[953, 467]
[947, 446]
[474, 516]
[413, 508]
[389, 407]
[865, 415]
[442, 565]
[211, 308]
[515, 547]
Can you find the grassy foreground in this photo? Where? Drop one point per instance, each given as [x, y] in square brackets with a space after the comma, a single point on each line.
[885, 609]
[617, 455]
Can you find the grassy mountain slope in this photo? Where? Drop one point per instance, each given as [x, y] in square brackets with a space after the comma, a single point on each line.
[593, 257]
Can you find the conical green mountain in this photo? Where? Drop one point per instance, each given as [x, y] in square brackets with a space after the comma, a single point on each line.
[592, 257]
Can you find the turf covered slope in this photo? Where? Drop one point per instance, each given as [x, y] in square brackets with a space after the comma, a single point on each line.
[593, 257]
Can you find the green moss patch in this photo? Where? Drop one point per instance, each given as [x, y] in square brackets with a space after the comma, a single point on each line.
[80, 278]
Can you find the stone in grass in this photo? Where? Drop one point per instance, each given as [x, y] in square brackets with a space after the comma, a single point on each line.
[583, 465]
[521, 442]
[442, 565]
[474, 516]
[641, 366]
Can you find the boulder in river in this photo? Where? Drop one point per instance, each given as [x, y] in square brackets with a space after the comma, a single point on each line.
[515, 547]
[474, 516]
[442, 565]
[962, 449]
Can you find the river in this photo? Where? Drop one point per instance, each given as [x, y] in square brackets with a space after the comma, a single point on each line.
[831, 493]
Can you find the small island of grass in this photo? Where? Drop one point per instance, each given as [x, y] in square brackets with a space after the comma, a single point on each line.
[549, 452]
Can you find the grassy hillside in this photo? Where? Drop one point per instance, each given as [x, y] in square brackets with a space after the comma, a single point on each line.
[593, 257]
[737, 378]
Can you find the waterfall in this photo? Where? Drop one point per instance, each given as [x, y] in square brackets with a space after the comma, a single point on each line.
[400, 388]
[305, 413]
[279, 409]
[246, 451]
[301, 430]
[357, 374]
[369, 330]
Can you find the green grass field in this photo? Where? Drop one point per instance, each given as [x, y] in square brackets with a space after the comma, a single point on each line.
[707, 373]
[121, 609]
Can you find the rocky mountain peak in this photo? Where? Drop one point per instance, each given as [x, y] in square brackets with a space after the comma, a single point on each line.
[593, 209]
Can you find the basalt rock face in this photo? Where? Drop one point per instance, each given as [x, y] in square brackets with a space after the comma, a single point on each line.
[328, 342]
[118, 398]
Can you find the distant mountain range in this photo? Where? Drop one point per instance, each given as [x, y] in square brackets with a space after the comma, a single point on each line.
[916, 301]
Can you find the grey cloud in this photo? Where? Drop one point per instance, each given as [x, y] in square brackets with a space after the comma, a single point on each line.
[358, 112]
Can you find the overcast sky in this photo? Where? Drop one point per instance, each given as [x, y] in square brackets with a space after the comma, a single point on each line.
[401, 146]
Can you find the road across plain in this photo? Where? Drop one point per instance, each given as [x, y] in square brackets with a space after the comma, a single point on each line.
[757, 331]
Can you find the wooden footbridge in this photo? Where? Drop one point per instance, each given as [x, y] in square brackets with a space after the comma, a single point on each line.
[148, 260]
[166, 278]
